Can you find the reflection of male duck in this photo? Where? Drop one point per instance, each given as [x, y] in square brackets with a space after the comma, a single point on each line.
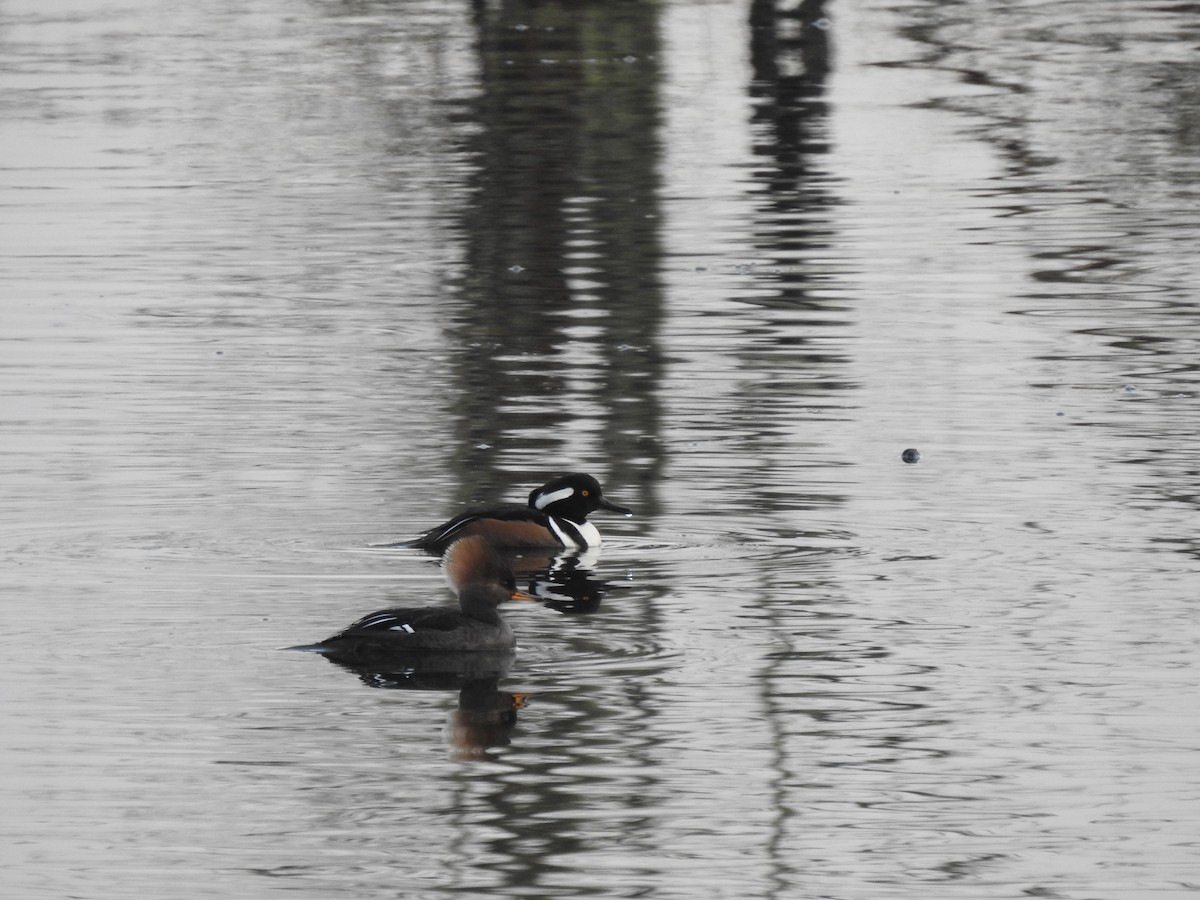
[482, 581]
[566, 583]
[555, 517]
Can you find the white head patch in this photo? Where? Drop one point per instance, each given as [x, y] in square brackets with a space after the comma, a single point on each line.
[553, 497]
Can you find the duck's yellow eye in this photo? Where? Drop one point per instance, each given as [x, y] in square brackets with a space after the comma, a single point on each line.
[584, 492]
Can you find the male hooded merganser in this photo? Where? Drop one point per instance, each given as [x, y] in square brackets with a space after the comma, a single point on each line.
[555, 517]
[481, 580]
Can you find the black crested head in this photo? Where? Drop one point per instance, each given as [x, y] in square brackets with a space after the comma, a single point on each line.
[573, 497]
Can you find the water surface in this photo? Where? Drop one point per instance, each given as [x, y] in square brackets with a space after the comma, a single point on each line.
[281, 283]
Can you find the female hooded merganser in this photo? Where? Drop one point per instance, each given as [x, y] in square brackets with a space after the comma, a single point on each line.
[555, 517]
[482, 582]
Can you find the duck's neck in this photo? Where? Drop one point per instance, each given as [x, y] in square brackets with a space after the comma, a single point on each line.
[480, 603]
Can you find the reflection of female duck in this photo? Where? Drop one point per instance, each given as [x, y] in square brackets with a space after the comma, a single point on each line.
[481, 580]
[485, 715]
[484, 719]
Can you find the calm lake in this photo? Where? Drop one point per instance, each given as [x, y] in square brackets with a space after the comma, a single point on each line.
[284, 282]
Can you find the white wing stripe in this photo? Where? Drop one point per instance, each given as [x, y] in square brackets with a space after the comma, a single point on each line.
[560, 533]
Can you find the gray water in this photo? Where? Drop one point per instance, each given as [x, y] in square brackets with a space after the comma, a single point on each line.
[284, 281]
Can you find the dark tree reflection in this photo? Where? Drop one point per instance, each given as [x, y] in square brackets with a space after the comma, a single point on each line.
[558, 307]
[789, 51]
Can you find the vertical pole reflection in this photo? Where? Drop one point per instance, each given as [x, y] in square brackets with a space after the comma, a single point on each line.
[789, 51]
[554, 328]
[555, 332]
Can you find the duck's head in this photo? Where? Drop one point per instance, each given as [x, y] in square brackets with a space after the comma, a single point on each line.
[480, 577]
[573, 497]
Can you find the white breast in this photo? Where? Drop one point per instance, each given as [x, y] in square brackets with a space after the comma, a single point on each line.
[591, 535]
